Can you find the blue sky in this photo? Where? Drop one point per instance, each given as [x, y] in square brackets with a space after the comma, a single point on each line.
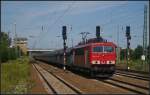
[82, 16]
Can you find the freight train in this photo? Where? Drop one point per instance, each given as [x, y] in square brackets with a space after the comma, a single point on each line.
[96, 56]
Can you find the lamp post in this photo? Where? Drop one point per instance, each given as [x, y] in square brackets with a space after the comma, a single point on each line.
[58, 41]
[32, 37]
[15, 40]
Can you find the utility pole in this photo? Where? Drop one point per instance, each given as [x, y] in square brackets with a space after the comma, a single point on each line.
[15, 35]
[0, 44]
[0, 37]
[15, 41]
[149, 32]
[118, 47]
[57, 44]
[145, 33]
[71, 36]
[72, 42]
[9, 43]
[8, 39]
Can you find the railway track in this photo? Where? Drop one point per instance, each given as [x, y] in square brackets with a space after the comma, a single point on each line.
[128, 83]
[132, 71]
[131, 86]
[127, 86]
[55, 83]
[116, 83]
[134, 75]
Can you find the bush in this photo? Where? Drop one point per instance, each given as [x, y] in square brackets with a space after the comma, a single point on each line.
[15, 76]
[7, 53]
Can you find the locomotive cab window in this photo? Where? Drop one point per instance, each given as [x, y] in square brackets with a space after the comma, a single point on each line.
[98, 49]
[108, 49]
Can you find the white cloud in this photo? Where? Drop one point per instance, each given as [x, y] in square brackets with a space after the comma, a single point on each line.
[57, 8]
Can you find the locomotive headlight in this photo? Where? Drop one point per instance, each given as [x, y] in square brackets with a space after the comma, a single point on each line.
[93, 62]
[112, 62]
[98, 62]
[108, 62]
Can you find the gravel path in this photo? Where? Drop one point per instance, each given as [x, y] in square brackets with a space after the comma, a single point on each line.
[37, 85]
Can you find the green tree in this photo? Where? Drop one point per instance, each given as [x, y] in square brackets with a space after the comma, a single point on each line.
[6, 52]
[123, 53]
[131, 54]
[138, 52]
[4, 47]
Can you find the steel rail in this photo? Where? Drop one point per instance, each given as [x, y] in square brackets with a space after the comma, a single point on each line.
[54, 92]
[146, 88]
[132, 76]
[64, 82]
[133, 71]
[121, 86]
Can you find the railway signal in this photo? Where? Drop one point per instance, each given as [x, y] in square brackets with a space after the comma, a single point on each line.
[98, 36]
[128, 36]
[98, 32]
[64, 35]
[128, 44]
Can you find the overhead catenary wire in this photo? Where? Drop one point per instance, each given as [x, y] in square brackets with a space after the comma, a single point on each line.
[51, 26]
[132, 18]
[112, 17]
[108, 23]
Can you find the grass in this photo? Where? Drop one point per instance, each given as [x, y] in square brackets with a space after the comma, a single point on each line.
[15, 76]
[136, 65]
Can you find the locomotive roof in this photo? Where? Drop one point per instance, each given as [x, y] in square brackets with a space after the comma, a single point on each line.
[61, 51]
[93, 41]
[96, 43]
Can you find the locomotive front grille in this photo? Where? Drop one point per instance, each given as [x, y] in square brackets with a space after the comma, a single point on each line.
[103, 68]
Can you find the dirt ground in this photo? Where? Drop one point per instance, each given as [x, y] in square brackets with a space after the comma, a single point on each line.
[37, 86]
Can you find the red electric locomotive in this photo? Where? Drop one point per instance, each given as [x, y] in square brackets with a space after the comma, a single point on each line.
[98, 58]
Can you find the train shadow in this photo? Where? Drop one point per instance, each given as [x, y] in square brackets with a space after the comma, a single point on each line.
[88, 76]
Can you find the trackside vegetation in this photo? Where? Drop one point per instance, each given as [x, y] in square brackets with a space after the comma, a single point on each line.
[15, 68]
[15, 76]
[7, 52]
[135, 62]
[136, 65]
